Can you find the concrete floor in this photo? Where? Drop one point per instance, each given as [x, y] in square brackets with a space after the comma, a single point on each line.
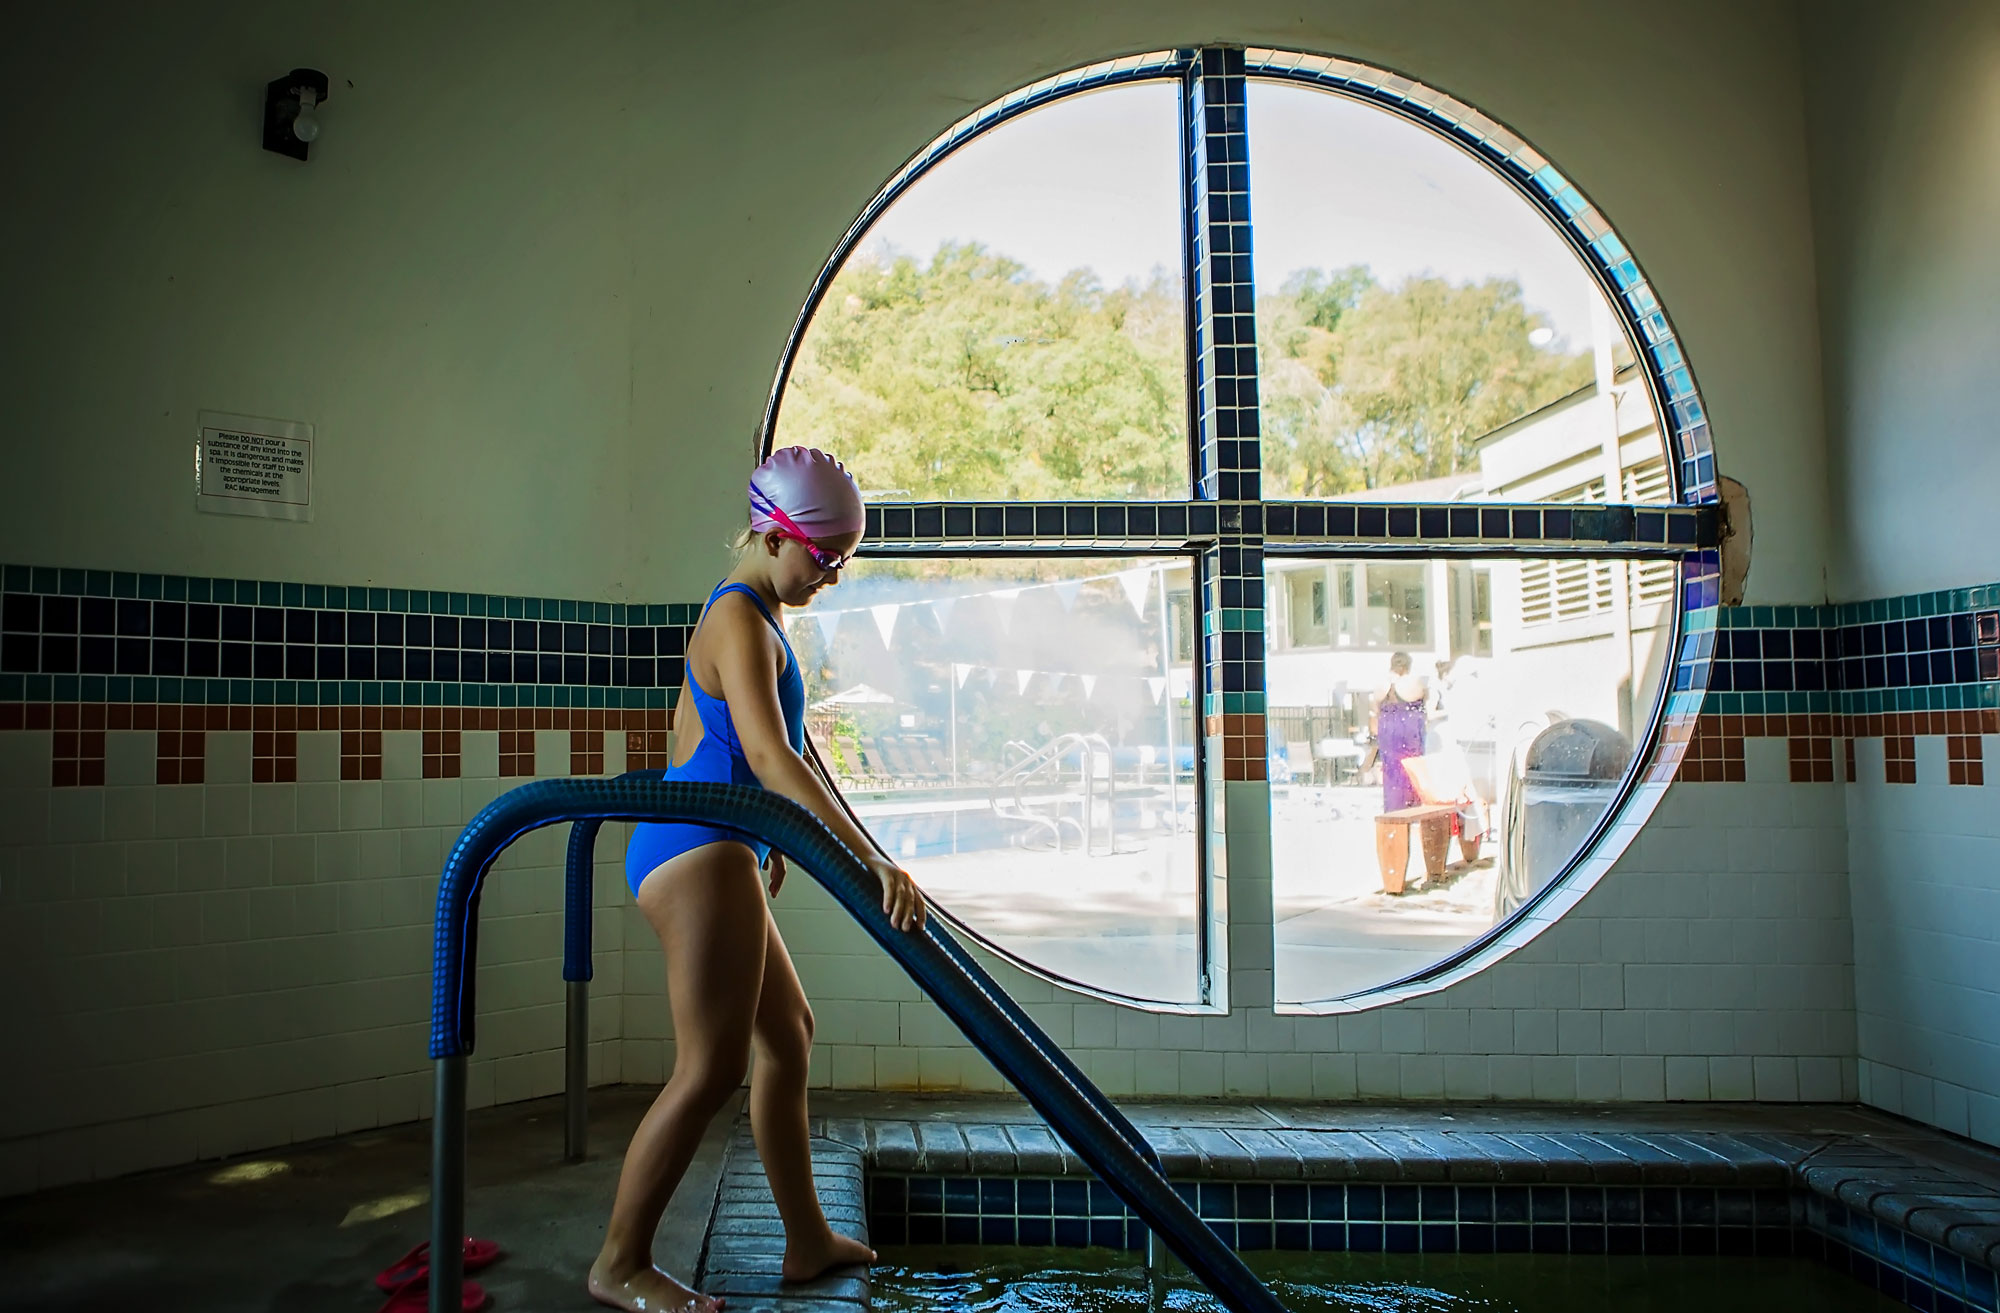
[307, 1236]
[239, 1236]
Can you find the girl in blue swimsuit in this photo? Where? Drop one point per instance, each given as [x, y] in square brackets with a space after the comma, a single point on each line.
[730, 981]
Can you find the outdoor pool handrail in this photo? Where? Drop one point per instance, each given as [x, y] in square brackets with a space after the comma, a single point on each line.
[933, 959]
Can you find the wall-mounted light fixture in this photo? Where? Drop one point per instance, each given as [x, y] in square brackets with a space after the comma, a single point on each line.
[291, 111]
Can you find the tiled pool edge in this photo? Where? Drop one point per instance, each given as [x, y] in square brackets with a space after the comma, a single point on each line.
[1916, 1232]
[746, 1240]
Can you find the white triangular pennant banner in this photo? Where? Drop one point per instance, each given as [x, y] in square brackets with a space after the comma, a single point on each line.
[885, 619]
[1136, 583]
[1005, 599]
[992, 677]
[828, 622]
[959, 672]
[1089, 684]
[1066, 593]
[942, 609]
[1023, 678]
[1156, 685]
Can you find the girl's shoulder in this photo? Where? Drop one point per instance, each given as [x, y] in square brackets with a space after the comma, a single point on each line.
[740, 615]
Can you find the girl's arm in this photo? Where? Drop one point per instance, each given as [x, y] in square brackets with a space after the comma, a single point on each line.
[746, 658]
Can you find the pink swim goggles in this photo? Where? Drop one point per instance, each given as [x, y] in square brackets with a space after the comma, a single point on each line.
[788, 528]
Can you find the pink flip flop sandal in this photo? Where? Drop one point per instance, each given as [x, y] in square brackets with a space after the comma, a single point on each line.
[414, 1296]
[415, 1265]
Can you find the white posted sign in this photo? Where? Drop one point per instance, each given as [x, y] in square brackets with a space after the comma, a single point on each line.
[249, 466]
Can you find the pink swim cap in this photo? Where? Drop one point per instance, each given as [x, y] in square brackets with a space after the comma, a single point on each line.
[810, 489]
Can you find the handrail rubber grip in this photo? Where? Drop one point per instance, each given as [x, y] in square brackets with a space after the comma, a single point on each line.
[1003, 1034]
[576, 947]
[578, 876]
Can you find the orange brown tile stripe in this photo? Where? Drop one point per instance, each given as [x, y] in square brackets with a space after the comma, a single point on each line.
[1715, 750]
[78, 733]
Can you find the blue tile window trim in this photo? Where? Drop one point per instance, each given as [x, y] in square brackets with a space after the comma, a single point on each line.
[1596, 531]
[1227, 450]
[1073, 1212]
[86, 635]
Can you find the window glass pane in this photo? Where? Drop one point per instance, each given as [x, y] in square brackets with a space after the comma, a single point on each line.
[1424, 334]
[1013, 324]
[1492, 705]
[1019, 734]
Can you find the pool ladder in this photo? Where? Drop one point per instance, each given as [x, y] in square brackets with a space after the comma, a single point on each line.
[988, 1017]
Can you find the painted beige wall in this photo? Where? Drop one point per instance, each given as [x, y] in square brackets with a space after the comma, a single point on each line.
[1905, 133]
[445, 290]
[534, 284]
[1905, 117]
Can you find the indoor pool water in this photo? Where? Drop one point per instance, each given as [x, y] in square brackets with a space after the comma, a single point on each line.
[949, 1280]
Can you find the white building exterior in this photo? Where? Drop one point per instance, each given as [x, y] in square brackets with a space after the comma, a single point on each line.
[1528, 641]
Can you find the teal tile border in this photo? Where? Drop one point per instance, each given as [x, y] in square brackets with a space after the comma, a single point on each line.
[1722, 623]
[342, 603]
[1847, 655]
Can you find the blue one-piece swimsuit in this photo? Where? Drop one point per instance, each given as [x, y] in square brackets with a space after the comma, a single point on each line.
[717, 759]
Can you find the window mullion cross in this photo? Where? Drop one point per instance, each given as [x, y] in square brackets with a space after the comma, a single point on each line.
[1228, 460]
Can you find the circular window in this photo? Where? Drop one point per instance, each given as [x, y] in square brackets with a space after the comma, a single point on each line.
[1250, 434]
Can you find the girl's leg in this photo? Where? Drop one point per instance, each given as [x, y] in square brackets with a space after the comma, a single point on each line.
[784, 1029]
[707, 906]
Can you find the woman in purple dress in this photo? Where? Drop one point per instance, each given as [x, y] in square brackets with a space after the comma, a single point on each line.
[1397, 719]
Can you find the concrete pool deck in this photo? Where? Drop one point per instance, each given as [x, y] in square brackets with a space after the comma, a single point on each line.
[241, 1234]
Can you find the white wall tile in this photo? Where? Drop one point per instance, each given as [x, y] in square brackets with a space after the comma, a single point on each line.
[130, 757]
[76, 815]
[402, 754]
[551, 752]
[319, 755]
[25, 757]
[227, 756]
[479, 754]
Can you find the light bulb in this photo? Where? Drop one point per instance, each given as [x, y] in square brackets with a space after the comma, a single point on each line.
[306, 126]
[1536, 337]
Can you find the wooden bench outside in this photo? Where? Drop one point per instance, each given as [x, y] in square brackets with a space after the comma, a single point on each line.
[1392, 842]
[1445, 795]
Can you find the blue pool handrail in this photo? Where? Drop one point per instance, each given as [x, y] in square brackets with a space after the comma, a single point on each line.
[982, 1011]
[577, 897]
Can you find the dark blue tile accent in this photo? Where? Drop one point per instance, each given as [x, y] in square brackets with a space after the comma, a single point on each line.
[1549, 1239]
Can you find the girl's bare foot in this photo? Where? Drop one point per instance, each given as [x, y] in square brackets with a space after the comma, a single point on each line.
[806, 1260]
[646, 1290]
